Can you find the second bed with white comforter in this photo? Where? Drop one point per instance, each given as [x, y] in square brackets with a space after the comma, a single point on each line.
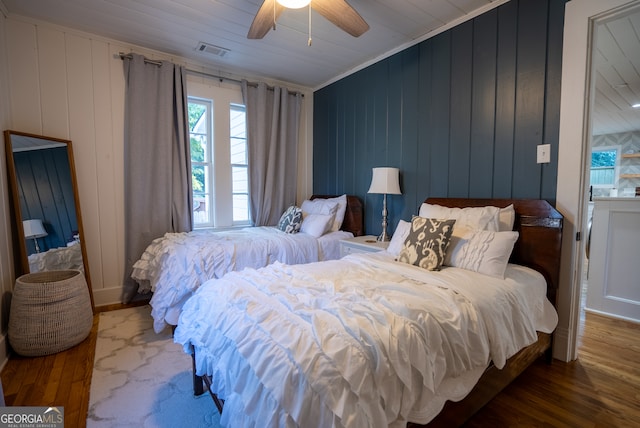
[175, 265]
[364, 341]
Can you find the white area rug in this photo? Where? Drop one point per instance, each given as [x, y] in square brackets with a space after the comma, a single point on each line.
[143, 379]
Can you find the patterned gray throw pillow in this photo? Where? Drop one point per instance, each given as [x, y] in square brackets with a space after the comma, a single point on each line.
[291, 220]
[427, 242]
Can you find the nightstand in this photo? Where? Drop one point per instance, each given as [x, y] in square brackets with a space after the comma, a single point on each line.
[361, 244]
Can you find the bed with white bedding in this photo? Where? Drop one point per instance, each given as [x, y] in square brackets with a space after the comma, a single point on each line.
[370, 340]
[174, 266]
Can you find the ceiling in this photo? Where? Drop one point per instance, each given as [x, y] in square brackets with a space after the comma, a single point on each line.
[177, 26]
[617, 71]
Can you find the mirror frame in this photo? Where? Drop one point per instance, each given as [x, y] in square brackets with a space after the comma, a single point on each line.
[15, 198]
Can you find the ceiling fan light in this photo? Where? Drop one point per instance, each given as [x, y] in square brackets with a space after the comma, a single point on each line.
[294, 4]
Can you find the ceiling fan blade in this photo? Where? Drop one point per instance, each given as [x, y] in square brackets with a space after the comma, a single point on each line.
[342, 15]
[264, 19]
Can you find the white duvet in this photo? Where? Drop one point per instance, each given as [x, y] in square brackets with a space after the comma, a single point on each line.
[360, 342]
[175, 265]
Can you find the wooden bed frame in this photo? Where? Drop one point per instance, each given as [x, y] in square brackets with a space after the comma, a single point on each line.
[538, 246]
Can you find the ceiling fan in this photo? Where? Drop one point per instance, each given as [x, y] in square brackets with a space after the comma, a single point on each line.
[339, 12]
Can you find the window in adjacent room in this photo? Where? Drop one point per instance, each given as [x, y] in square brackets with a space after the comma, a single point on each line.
[604, 163]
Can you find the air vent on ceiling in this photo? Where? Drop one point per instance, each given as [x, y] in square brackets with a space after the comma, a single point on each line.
[211, 49]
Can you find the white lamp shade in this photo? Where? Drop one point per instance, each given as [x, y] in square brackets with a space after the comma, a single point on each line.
[294, 4]
[385, 180]
[33, 229]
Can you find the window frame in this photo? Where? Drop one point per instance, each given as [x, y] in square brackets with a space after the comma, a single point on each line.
[222, 94]
[245, 165]
[208, 162]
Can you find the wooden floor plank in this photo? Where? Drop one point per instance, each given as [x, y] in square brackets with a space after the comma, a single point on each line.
[599, 389]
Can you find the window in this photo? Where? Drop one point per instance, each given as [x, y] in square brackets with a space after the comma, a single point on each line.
[219, 161]
[200, 135]
[603, 167]
[239, 165]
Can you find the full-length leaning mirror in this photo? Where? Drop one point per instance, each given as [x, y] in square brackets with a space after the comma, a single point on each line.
[45, 203]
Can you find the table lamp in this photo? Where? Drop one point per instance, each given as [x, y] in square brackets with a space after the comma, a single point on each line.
[385, 181]
[34, 229]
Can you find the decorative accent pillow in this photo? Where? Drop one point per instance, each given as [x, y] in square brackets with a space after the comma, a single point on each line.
[398, 237]
[291, 220]
[476, 218]
[427, 242]
[482, 251]
[316, 224]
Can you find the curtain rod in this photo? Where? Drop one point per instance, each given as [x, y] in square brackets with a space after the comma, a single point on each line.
[122, 56]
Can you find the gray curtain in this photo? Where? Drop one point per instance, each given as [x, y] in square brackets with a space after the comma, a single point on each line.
[273, 121]
[157, 157]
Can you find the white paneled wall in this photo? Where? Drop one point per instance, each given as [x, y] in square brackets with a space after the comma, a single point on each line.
[67, 84]
[70, 86]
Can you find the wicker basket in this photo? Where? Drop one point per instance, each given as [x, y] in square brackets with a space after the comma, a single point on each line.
[50, 312]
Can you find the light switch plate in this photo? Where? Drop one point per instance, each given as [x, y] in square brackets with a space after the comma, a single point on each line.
[544, 153]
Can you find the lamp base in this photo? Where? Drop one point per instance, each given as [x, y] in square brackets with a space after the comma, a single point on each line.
[384, 237]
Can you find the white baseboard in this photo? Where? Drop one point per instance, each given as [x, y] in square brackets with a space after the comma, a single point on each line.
[562, 346]
[107, 296]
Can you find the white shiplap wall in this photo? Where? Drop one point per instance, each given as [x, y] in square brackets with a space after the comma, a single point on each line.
[70, 85]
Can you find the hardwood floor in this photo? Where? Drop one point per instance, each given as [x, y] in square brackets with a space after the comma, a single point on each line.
[600, 389]
[62, 379]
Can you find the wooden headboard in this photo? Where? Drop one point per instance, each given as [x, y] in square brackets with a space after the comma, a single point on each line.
[353, 217]
[540, 228]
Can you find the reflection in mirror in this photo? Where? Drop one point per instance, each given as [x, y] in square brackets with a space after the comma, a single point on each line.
[45, 202]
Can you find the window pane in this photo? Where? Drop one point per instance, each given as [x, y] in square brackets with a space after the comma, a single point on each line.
[238, 151]
[239, 160]
[198, 179]
[602, 158]
[240, 179]
[198, 148]
[603, 167]
[201, 204]
[240, 208]
[201, 138]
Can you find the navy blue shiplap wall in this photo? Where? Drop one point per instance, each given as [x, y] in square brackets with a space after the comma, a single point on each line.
[46, 193]
[461, 114]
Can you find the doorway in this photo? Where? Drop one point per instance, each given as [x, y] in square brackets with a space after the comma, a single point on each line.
[614, 140]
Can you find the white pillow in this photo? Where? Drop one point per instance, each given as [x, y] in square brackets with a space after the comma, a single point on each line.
[507, 218]
[398, 238]
[316, 224]
[482, 251]
[476, 218]
[319, 206]
[342, 209]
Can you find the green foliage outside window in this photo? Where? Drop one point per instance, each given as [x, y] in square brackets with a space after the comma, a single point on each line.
[196, 111]
[603, 158]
